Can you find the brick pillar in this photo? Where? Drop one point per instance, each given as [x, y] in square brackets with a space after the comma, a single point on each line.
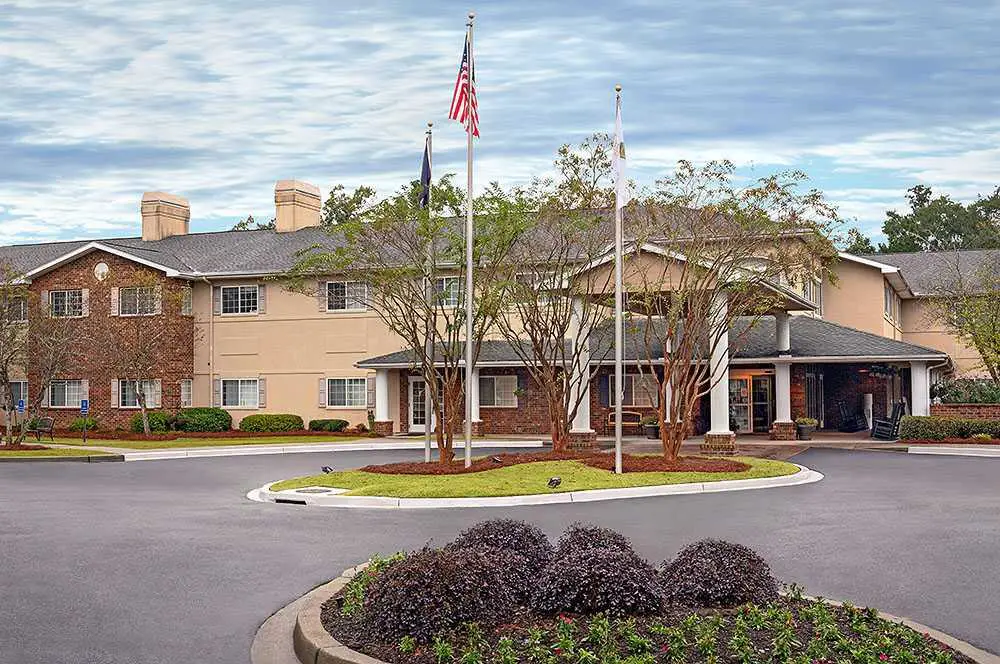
[384, 428]
[582, 440]
[782, 431]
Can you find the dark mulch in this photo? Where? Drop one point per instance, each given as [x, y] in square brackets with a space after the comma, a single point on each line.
[630, 464]
[22, 448]
[174, 435]
[353, 633]
[951, 441]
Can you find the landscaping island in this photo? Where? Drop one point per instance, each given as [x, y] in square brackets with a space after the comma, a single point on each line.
[502, 593]
[530, 474]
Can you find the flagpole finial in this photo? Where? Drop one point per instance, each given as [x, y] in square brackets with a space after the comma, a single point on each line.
[472, 16]
[430, 125]
[618, 87]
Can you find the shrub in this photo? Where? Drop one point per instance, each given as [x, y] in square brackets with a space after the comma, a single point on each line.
[934, 427]
[583, 537]
[327, 425]
[806, 421]
[158, 422]
[271, 422]
[520, 537]
[204, 419]
[435, 590]
[354, 591]
[981, 436]
[714, 573]
[77, 424]
[598, 580]
[967, 390]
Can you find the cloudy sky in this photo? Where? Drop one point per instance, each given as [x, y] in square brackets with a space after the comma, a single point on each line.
[215, 100]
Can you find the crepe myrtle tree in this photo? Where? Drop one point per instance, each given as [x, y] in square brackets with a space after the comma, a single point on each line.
[703, 235]
[555, 302]
[29, 334]
[412, 261]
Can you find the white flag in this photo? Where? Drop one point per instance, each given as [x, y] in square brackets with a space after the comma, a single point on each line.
[618, 159]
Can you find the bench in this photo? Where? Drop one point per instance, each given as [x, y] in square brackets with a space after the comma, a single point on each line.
[629, 419]
[43, 425]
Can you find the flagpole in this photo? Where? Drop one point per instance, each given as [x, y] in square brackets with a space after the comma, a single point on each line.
[428, 294]
[619, 317]
[468, 258]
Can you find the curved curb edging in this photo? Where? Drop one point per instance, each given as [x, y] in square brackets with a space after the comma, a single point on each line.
[955, 451]
[314, 645]
[294, 497]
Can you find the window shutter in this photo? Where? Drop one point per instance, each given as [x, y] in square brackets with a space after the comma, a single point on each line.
[115, 299]
[321, 295]
[261, 299]
[217, 393]
[85, 389]
[370, 389]
[261, 392]
[116, 395]
[521, 384]
[46, 305]
[322, 392]
[85, 302]
[604, 389]
[217, 300]
[187, 301]
[45, 397]
[157, 393]
[158, 300]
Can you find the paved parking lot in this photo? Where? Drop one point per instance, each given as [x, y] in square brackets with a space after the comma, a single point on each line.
[166, 561]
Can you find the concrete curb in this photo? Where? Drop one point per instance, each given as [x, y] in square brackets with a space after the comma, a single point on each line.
[95, 458]
[312, 644]
[306, 497]
[984, 451]
[254, 450]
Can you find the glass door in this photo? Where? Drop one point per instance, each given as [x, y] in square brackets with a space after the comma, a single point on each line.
[418, 397]
[763, 403]
[739, 405]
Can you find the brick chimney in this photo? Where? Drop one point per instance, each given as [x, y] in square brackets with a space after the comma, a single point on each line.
[164, 215]
[296, 205]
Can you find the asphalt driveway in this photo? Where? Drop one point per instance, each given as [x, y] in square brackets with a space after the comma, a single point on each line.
[166, 561]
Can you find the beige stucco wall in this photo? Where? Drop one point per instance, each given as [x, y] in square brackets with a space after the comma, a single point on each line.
[920, 327]
[855, 299]
[292, 344]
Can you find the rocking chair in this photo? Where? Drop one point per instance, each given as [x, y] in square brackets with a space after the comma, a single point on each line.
[889, 429]
[851, 422]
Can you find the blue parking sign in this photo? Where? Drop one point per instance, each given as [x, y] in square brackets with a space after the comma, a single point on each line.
[84, 406]
[20, 406]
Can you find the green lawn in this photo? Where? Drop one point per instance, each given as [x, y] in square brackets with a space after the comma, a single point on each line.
[204, 442]
[51, 452]
[522, 479]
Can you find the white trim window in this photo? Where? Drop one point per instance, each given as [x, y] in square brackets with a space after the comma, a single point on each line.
[137, 301]
[66, 303]
[447, 291]
[240, 299]
[347, 392]
[186, 393]
[498, 391]
[65, 393]
[128, 395]
[346, 296]
[640, 391]
[240, 393]
[15, 309]
[19, 390]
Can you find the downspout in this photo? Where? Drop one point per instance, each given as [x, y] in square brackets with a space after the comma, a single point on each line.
[211, 341]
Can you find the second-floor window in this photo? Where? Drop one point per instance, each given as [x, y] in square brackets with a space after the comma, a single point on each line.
[346, 295]
[66, 303]
[239, 299]
[446, 289]
[891, 303]
[137, 301]
[65, 393]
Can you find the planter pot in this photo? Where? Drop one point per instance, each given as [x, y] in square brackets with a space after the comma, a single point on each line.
[804, 431]
[651, 430]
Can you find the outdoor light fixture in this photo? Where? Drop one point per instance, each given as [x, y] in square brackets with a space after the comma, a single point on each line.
[497, 460]
[554, 482]
[327, 469]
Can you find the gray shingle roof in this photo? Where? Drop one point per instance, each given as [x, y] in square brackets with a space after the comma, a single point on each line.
[810, 338]
[927, 271]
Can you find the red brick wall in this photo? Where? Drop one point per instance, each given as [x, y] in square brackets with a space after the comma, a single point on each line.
[175, 354]
[974, 411]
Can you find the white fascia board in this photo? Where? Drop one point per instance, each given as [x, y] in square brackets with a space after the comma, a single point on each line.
[98, 246]
[886, 269]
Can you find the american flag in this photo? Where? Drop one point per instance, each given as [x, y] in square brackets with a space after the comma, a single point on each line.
[463, 101]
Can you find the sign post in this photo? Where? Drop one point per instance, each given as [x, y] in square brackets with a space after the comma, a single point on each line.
[84, 411]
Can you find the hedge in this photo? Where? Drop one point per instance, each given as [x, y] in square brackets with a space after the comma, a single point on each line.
[934, 427]
[967, 390]
[271, 422]
[158, 422]
[327, 425]
[77, 424]
[204, 419]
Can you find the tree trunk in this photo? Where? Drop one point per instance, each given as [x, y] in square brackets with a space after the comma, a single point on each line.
[145, 414]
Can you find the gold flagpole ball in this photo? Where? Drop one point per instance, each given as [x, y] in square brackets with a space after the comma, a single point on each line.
[618, 87]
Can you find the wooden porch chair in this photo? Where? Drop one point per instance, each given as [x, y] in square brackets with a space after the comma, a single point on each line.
[883, 429]
[851, 422]
[630, 420]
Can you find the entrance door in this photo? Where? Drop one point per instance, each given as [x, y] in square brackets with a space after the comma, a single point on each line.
[739, 404]
[418, 399]
[763, 403]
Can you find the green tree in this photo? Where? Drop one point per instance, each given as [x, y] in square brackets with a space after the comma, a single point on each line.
[939, 223]
[858, 243]
[342, 207]
[250, 224]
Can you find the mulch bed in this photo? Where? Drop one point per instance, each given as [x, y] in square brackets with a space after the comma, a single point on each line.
[174, 435]
[951, 441]
[630, 464]
[22, 448]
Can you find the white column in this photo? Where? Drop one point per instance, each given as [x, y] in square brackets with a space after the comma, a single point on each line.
[783, 392]
[920, 389]
[474, 393]
[782, 333]
[381, 395]
[719, 397]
